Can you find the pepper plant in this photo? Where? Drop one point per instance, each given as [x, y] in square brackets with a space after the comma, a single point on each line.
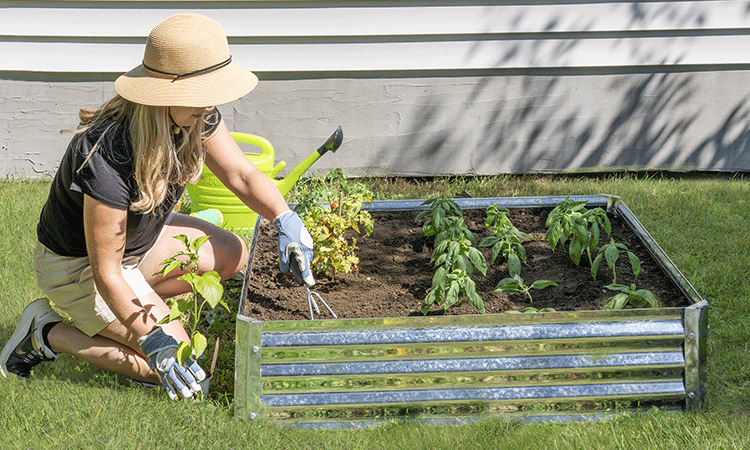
[610, 252]
[571, 219]
[206, 291]
[506, 239]
[455, 259]
[630, 297]
[515, 284]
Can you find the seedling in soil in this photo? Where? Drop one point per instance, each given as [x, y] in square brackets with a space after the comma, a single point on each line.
[630, 297]
[206, 290]
[515, 284]
[455, 256]
[506, 239]
[610, 252]
[571, 219]
[447, 288]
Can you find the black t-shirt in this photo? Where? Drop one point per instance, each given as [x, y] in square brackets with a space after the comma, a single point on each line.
[107, 177]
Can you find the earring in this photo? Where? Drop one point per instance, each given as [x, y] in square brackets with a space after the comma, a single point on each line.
[176, 129]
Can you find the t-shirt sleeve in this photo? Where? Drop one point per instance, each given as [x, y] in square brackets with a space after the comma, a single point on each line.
[103, 178]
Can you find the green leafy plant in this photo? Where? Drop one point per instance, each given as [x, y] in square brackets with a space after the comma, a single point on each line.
[455, 256]
[328, 209]
[630, 297]
[206, 291]
[571, 219]
[447, 288]
[440, 208]
[515, 284]
[506, 239]
[610, 252]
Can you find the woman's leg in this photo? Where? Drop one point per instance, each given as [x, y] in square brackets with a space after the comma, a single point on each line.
[115, 348]
[101, 352]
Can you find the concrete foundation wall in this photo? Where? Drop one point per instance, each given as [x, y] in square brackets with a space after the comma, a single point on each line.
[514, 123]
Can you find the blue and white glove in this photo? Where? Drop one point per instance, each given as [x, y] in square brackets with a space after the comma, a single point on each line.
[178, 380]
[294, 242]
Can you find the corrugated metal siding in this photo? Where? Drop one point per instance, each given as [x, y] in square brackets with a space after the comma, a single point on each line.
[388, 36]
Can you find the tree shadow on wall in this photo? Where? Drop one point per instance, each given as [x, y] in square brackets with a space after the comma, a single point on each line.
[539, 119]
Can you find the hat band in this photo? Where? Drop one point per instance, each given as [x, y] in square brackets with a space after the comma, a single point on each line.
[177, 76]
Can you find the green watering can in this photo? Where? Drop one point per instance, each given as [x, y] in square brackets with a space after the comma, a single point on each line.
[210, 193]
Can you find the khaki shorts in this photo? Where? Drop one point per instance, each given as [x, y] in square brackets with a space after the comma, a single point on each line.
[69, 283]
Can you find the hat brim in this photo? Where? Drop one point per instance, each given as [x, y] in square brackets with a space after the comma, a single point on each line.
[209, 89]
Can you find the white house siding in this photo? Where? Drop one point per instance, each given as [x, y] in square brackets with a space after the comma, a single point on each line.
[420, 88]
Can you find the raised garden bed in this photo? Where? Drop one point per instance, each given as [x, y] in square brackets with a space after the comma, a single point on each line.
[387, 360]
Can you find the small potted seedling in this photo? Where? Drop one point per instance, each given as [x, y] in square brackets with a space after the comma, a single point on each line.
[206, 295]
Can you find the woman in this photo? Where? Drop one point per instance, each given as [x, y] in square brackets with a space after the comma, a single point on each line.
[108, 222]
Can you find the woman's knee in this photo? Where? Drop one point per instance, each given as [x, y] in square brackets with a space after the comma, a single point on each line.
[233, 260]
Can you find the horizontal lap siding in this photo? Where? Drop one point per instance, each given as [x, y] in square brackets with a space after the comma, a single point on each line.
[387, 36]
[419, 88]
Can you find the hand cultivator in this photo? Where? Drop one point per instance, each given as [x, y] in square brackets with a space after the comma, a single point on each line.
[311, 295]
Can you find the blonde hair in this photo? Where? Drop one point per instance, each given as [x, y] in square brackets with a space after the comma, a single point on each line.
[157, 162]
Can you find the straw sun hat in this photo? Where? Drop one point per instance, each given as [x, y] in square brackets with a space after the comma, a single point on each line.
[186, 63]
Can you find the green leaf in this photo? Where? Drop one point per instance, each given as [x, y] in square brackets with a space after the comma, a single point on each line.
[184, 351]
[576, 250]
[477, 259]
[541, 284]
[184, 239]
[451, 297]
[553, 235]
[610, 254]
[618, 287]
[508, 285]
[649, 297]
[494, 252]
[514, 265]
[209, 286]
[635, 264]
[474, 298]
[198, 242]
[595, 265]
[428, 301]
[199, 343]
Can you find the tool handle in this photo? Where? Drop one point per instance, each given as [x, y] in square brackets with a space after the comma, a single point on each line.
[294, 265]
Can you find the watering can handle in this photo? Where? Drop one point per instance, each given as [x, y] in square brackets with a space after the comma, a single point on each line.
[266, 149]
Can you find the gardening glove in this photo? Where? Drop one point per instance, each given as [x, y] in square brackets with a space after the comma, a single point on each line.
[160, 348]
[294, 242]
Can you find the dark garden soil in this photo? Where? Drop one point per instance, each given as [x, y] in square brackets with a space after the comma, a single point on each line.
[395, 273]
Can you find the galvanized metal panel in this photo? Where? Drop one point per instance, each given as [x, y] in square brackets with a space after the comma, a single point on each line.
[542, 366]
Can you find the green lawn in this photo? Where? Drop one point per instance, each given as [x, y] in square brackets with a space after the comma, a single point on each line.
[700, 222]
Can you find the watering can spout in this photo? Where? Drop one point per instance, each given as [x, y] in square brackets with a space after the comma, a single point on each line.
[330, 145]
